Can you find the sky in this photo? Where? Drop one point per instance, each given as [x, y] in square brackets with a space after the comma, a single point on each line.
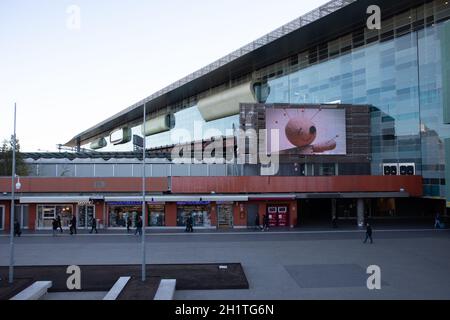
[71, 64]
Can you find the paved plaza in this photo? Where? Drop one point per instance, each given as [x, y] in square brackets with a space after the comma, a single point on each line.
[415, 263]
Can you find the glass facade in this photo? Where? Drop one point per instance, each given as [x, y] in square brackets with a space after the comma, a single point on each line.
[398, 70]
[189, 124]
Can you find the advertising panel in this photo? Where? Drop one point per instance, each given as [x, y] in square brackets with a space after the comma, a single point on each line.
[310, 131]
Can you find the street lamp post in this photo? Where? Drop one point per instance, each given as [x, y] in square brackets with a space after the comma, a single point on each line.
[11, 231]
[143, 200]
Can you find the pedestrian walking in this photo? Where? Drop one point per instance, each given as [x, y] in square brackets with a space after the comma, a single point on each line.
[186, 223]
[55, 227]
[17, 231]
[73, 225]
[58, 220]
[257, 223]
[129, 224]
[266, 222]
[138, 226]
[94, 226]
[189, 224]
[437, 221]
[369, 232]
[334, 222]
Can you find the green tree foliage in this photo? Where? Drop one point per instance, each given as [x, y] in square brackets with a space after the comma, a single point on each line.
[6, 157]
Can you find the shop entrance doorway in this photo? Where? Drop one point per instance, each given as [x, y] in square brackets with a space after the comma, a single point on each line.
[252, 212]
[315, 211]
[85, 216]
[278, 215]
[225, 216]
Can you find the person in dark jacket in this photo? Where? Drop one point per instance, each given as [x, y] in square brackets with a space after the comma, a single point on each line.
[17, 231]
[266, 222]
[139, 225]
[189, 224]
[257, 223]
[94, 226]
[129, 224]
[437, 221]
[58, 220]
[73, 225]
[55, 227]
[369, 232]
[334, 222]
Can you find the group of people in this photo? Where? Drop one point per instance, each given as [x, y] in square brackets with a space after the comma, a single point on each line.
[57, 224]
[139, 225]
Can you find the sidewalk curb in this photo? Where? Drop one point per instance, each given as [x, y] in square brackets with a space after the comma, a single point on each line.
[228, 233]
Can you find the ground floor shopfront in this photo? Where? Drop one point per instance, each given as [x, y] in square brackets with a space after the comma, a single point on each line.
[228, 202]
[121, 214]
[205, 214]
[281, 213]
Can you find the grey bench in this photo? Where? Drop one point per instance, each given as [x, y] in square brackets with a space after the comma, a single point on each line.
[34, 292]
[115, 291]
[166, 290]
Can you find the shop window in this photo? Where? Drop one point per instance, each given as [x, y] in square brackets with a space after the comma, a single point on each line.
[118, 215]
[156, 215]
[46, 214]
[200, 212]
[225, 215]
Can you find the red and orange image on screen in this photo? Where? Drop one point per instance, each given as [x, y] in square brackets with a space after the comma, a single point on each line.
[312, 131]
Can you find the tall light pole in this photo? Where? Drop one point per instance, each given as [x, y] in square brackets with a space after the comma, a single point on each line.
[11, 231]
[143, 199]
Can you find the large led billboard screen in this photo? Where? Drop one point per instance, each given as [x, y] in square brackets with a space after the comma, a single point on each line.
[308, 131]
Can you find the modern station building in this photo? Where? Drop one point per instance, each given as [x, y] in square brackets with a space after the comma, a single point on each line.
[349, 122]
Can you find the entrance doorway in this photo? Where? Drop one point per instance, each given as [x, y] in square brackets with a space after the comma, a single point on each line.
[278, 215]
[315, 211]
[21, 215]
[225, 216]
[252, 212]
[85, 216]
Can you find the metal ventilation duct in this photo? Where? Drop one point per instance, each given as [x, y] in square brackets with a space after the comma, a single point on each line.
[160, 124]
[226, 103]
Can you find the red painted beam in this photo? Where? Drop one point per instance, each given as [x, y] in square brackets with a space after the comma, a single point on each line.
[339, 184]
[77, 185]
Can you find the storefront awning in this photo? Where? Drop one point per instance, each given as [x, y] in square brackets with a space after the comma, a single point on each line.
[180, 198]
[225, 198]
[50, 200]
[124, 199]
[150, 198]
